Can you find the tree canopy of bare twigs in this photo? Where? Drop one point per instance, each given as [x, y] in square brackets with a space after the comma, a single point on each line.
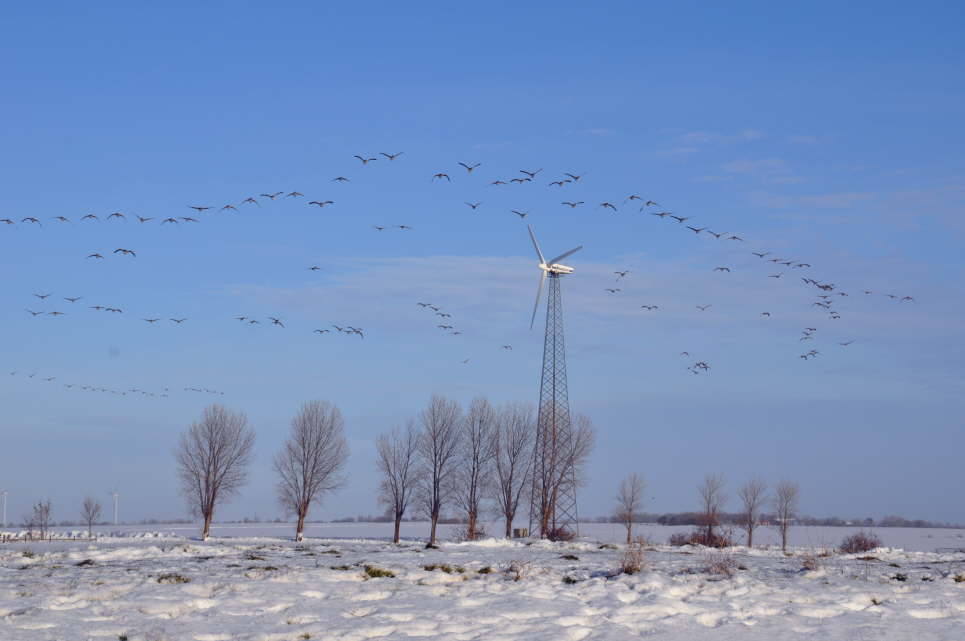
[90, 511]
[559, 464]
[311, 460]
[396, 460]
[473, 474]
[629, 502]
[752, 495]
[786, 497]
[39, 518]
[438, 449]
[711, 497]
[513, 457]
[213, 457]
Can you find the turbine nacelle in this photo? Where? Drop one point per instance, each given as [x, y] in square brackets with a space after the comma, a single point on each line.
[552, 266]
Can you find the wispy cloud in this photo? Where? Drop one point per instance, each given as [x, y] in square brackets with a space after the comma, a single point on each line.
[835, 200]
[770, 170]
[706, 137]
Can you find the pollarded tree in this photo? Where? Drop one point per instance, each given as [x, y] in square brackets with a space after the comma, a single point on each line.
[560, 464]
[473, 475]
[396, 461]
[514, 437]
[752, 496]
[786, 497]
[711, 498]
[213, 457]
[90, 511]
[629, 501]
[438, 449]
[312, 459]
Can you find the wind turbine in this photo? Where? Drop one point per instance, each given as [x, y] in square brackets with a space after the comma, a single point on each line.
[115, 495]
[551, 267]
[553, 492]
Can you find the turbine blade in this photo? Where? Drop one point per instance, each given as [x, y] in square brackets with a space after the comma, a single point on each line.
[539, 290]
[562, 256]
[535, 244]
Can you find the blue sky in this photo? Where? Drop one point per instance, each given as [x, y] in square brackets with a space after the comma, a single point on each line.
[826, 134]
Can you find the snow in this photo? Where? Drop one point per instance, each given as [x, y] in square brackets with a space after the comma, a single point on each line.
[250, 583]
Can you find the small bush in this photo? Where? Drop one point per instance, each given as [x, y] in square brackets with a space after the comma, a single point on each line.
[85, 563]
[810, 562]
[28, 554]
[960, 578]
[699, 537]
[632, 561]
[251, 556]
[859, 542]
[448, 569]
[568, 580]
[679, 539]
[560, 534]
[485, 570]
[876, 601]
[570, 557]
[375, 573]
[517, 570]
[173, 578]
[868, 558]
[720, 565]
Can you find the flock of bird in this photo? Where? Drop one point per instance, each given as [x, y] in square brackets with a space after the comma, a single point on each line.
[824, 302]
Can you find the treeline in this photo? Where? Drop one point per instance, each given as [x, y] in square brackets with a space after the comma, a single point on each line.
[726, 518]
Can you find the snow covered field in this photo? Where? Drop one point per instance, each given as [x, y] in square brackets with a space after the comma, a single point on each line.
[255, 585]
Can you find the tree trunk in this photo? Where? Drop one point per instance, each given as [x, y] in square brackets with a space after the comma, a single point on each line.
[432, 530]
[471, 526]
[784, 539]
[206, 531]
[509, 527]
[300, 528]
[629, 533]
[750, 536]
[398, 525]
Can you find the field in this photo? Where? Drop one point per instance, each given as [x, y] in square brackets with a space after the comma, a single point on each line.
[250, 582]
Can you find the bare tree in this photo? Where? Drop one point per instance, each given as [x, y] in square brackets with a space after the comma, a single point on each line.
[513, 459]
[473, 477]
[400, 474]
[711, 499]
[629, 501]
[213, 458]
[560, 464]
[312, 459]
[90, 511]
[786, 497]
[39, 518]
[438, 447]
[752, 495]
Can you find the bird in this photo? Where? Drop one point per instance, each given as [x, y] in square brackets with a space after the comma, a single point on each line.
[62, 219]
[188, 219]
[520, 181]
[765, 313]
[151, 320]
[338, 328]
[42, 296]
[314, 268]
[276, 321]
[531, 174]
[520, 213]
[340, 179]
[403, 227]
[355, 330]
[364, 160]
[715, 234]
[294, 194]
[606, 205]
[774, 276]
[241, 318]
[474, 206]
[703, 308]
[680, 219]
[575, 177]
[649, 308]
[737, 238]
[249, 200]
[170, 220]
[72, 300]
[660, 214]
[272, 196]
[571, 203]
[6, 221]
[907, 299]
[559, 183]
[507, 347]
[117, 214]
[846, 343]
[391, 156]
[254, 322]
[142, 219]
[89, 217]
[497, 182]
[198, 208]
[760, 254]
[126, 252]
[321, 203]
[30, 219]
[378, 227]
[685, 353]
[322, 331]
[441, 175]
[622, 274]
[229, 208]
[95, 255]
[465, 361]
[177, 320]
[33, 313]
[613, 290]
[721, 269]
[632, 197]
[469, 168]
[696, 230]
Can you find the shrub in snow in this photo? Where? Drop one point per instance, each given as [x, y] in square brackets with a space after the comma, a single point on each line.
[560, 534]
[517, 570]
[719, 539]
[632, 561]
[374, 572]
[485, 570]
[960, 578]
[810, 562]
[679, 539]
[173, 578]
[720, 565]
[860, 542]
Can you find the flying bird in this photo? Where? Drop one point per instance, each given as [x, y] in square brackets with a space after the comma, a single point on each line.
[680, 219]
[200, 209]
[142, 219]
[696, 230]
[33, 313]
[72, 299]
[229, 208]
[322, 331]
[321, 203]
[117, 214]
[775, 276]
[188, 219]
[441, 175]
[559, 183]
[613, 290]
[507, 347]
[497, 182]
[151, 320]
[575, 177]
[403, 227]
[378, 227]
[721, 269]
[520, 213]
[531, 174]
[89, 217]
[31, 219]
[170, 220]
[177, 320]
[249, 200]
[314, 268]
[622, 274]
[272, 196]
[340, 179]
[608, 206]
[703, 308]
[95, 255]
[765, 313]
[469, 168]
[474, 206]
[42, 296]
[391, 156]
[62, 219]
[365, 161]
[294, 194]
[572, 204]
[126, 252]
[276, 321]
